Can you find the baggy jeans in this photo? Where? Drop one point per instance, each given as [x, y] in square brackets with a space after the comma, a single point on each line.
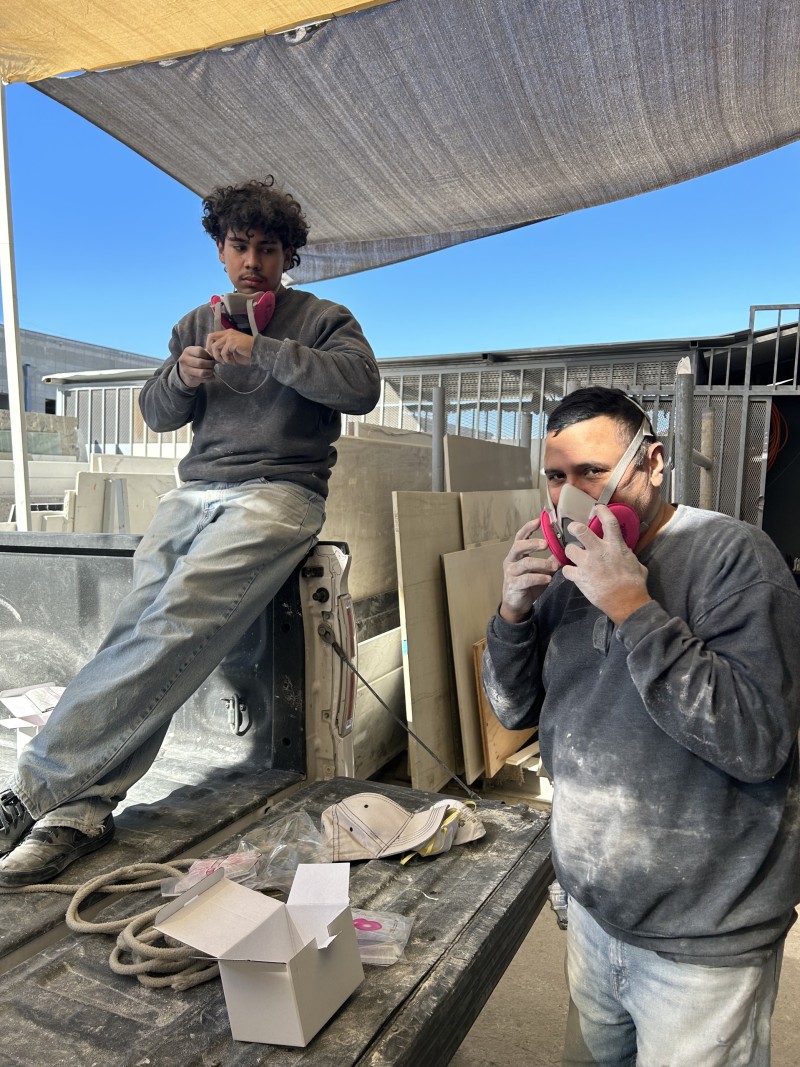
[213, 557]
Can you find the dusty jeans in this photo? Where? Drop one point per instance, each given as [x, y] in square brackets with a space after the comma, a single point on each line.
[213, 557]
[629, 1005]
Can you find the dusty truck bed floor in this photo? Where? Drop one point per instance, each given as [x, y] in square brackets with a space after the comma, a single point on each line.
[164, 817]
[471, 907]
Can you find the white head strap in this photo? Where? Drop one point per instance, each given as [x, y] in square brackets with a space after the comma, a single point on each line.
[624, 462]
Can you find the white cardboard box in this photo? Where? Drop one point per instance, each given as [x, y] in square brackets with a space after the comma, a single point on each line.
[285, 968]
[30, 707]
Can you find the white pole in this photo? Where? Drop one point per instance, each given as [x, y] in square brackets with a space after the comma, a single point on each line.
[16, 403]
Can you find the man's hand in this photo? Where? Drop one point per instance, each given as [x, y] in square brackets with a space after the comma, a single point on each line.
[525, 576]
[605, 570]
[195, 366]
[230, 346]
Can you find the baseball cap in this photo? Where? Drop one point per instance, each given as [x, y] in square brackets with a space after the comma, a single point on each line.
[371, 826]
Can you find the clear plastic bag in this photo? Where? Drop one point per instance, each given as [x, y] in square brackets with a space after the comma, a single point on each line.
[266, 858]
[382, 936]
[284, 843]
[239, 866]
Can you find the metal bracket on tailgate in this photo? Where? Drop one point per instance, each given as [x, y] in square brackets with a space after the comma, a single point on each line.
[330, 687]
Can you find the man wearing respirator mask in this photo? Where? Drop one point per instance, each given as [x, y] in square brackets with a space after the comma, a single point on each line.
[656, 649]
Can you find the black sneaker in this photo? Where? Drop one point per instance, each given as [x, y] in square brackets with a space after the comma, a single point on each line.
[47, 850]
[15, 821]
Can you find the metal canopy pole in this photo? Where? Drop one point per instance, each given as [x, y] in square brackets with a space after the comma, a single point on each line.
[437, 440]
[682, 446]
[19, 441]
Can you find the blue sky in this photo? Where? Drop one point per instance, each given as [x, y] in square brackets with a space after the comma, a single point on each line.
[109, 250]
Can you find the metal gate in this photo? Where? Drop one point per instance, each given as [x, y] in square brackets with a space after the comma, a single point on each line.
[507, 397]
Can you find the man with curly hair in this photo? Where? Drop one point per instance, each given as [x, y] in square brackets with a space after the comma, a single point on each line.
[262, 375]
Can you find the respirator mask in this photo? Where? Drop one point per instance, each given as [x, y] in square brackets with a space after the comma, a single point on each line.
[240, 311]
[576, 506]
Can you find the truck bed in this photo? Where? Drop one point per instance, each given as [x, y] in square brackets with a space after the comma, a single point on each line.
[471, 907]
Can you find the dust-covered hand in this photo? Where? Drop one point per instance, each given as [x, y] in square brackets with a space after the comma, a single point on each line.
[230, 346]
[526, 575]
[605, 570]
[195, 366]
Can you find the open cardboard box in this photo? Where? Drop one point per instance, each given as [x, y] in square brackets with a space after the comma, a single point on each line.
[285, 968]
[30, 707]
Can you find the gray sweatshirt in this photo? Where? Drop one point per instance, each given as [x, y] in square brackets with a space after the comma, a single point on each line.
[278, 417]
[672, 741]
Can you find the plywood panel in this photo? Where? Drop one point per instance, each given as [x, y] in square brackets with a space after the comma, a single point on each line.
[471, 464]
[496, 516]
[474, 581]
[359, 506]
[377, 737]
[427, 525]
[498, 743]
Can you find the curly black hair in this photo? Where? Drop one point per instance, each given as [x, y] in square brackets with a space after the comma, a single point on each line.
[256, 205]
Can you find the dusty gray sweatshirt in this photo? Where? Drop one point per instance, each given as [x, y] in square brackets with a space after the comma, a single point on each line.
[278, 417]
[672, 741]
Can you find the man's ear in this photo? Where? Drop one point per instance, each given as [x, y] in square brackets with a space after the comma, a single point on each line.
[288, 253]
[221, 251]
[656, 464]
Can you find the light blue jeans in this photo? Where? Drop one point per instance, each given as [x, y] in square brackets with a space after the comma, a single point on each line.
[630, 1006]
[213, 557]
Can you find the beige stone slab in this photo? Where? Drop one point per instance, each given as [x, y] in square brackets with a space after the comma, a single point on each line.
[474, 582]
[377, 737]
[55, 522]
[471, 464]
[90, 489]
[95, 500]
[359, 507]
[499, 744]
[111, 463]
[496, 516]
[143, 494]
[427, 525]
[390, 433]
[47, 479]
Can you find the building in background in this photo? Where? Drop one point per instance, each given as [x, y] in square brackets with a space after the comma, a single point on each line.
[43, 354]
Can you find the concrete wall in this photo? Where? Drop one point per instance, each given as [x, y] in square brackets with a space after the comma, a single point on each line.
[43, 354]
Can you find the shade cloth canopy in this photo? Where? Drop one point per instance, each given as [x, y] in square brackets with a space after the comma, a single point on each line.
[414, 125]
[43, 38]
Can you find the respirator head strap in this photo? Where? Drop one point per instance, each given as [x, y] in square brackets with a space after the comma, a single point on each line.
[624, 461]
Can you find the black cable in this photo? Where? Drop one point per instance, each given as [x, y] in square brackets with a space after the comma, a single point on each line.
[337, 648]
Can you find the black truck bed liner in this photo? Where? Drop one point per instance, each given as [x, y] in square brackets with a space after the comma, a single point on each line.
[471, 907]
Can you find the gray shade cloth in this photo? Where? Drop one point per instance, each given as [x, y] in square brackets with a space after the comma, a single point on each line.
[424, 123]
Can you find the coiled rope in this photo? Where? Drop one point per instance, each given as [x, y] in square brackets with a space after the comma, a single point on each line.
[169, 964]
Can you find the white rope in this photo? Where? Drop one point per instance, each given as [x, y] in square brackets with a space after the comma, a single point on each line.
[171, 964]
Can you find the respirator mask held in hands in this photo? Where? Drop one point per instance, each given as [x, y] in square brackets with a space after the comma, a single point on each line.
[240, 311]
[576, 506]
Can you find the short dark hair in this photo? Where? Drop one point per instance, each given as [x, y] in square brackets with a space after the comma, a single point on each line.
[256, 205]
[595, 400]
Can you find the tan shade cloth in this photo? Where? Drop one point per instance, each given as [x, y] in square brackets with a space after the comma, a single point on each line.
[43, 38]
[371, 826]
